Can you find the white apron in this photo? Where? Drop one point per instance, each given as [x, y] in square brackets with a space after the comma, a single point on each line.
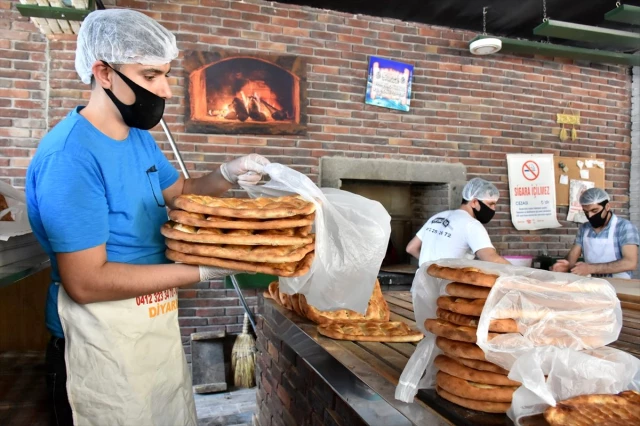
[125, 362]
[599, 250]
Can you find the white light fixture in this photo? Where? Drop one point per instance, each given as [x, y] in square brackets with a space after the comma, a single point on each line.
[485, 46]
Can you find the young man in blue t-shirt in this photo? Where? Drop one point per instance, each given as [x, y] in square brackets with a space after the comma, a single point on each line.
[97, 192]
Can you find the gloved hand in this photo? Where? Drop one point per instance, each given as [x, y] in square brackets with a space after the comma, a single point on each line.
[247, 170]
[208, 273]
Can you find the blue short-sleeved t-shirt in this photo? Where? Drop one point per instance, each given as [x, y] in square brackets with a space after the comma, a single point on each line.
[85, 189]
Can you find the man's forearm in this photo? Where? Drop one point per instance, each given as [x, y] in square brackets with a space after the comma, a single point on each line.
[210, 184]
[622, 265]
[119, 281]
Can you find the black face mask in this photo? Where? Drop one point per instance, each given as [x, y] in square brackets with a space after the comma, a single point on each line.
[147, 109]
[597, 220]
[485, 214]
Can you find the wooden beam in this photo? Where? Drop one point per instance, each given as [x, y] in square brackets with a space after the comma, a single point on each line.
[587, 33]
[66, 13]
[510, 45]
[625, 13]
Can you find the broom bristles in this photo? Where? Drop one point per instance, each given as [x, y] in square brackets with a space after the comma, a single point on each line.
[243, 358]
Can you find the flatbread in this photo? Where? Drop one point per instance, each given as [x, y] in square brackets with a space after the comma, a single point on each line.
[295, 304]
[293, 269]
[456, 369]
[496, 325]
[451, 331]
[274, 290]
[377, 310]
[460, 349]
[285, 301]
[622, 409]
[261, 254]
[3, 205]
[470, 390]
[271, 237]
[467, 291]
[463, 275]
[479, 365]
[472, 404]
[460, 305]
[253, 208]
[203, 221]
[370, 331]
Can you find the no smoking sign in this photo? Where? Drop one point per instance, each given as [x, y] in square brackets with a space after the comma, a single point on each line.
[530, 170]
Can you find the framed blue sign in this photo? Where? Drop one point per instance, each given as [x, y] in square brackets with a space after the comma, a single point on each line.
[389, 83]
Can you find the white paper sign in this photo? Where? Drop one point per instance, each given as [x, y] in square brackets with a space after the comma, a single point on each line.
[532, 191]
[564, 180]
[576, 188]
[584, 174]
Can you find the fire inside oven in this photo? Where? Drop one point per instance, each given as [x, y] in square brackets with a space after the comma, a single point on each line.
[246, 90]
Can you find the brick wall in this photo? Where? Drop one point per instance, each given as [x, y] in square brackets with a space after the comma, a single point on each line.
[290, 392]
[471, 110]
[634, 184]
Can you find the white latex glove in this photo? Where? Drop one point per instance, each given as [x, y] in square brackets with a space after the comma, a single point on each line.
[247, 170]
[208, 273]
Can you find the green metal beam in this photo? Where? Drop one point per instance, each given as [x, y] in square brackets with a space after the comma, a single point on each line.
[587, 33]
[624, 13]
[67, 13]
[511, 45]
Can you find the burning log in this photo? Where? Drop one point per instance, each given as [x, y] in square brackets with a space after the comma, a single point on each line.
[237, 111]
[276, 114]
[254, 110]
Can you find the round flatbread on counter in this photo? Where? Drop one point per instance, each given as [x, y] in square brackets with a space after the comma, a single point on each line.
[460, 349]
[377, 310]
[622, 409]
[472, 404]
[454, 368]
[294, 269]
[467, 291]
[262, 254]
[461, 305]
[252, 208]
[272, 237]
[471, 390]
[203, 221]
[370, 331]
[479, 365]
[497, 326]
[466, 275]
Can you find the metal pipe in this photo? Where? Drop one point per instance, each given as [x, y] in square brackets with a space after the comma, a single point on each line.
[175, 149]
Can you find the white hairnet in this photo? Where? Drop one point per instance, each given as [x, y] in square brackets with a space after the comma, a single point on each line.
[122, 36]
[593, 196]
[481, 190]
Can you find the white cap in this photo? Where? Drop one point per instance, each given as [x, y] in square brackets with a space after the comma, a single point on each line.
[480, 189]
[122, 36]
[593, 196]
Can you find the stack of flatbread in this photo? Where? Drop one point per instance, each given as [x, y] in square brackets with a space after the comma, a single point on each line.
[465, 377]
[266, 235]
[344, 324]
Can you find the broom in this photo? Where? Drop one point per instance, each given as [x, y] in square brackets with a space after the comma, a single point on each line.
[243, 358]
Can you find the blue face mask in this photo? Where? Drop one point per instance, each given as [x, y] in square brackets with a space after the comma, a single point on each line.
[145, 112]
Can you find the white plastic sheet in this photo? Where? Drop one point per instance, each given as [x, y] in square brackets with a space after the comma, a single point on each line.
[570, 373]
[352, 233]
[564, 310]
[16, 200]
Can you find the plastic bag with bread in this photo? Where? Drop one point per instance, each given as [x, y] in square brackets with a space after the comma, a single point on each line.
[539, 307]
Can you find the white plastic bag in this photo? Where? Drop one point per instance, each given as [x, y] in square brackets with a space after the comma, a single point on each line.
[570, 373]
[352, 234]
[16, 200]
[562, 309]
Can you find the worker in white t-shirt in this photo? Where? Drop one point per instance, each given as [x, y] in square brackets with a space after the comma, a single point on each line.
[460, 233]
